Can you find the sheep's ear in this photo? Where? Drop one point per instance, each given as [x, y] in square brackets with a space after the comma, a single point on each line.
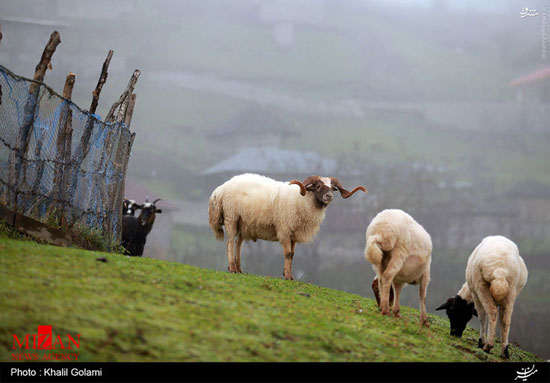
[445, 305]
[159, 211]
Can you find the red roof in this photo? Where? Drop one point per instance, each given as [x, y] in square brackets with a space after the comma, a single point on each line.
[531, 77]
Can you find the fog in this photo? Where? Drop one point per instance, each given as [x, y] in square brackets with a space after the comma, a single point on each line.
[440, 108]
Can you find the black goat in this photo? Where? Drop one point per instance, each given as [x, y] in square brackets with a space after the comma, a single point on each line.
[129, 207]
[135, 229]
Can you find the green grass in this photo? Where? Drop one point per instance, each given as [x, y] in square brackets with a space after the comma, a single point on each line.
[139, 309]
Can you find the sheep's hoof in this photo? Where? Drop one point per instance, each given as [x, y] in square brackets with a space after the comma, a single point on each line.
[397, 314]
[487, 348]
[288, 276]
[480, 343]
[385, 312]
[425, 323]
[505, 353]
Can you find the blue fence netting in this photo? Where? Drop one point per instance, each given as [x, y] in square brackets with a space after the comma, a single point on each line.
[59, 163]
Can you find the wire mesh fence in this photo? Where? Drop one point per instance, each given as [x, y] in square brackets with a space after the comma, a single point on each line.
[60, 164]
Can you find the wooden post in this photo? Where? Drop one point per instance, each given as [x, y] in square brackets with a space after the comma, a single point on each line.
[63, 155]
[101, 82]
[84, 146]
[116, 194]
[45, 61]
[64, 117]
[129, 89]
[122, 104]
[31, 108]
[69, 84]
[130, 111]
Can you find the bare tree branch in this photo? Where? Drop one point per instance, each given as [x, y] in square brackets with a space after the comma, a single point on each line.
[102, 80]
[122, 99]
[45, 61]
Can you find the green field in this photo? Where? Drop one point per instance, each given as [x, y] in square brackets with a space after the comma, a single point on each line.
[140, 309]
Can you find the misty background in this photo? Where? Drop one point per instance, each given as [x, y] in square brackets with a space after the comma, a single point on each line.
[440, 108]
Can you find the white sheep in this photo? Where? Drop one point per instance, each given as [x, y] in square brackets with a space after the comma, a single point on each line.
[252, 207]
[495, 275]
[400, 251]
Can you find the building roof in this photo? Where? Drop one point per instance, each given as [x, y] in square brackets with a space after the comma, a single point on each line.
[535, 76]
[272, 160]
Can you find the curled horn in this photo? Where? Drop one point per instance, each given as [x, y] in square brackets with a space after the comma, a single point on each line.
[155, 201]
[301, 185]
[344, 192]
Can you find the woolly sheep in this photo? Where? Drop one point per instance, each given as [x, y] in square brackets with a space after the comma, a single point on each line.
[495, 275]
[400, 251]
[252, 207]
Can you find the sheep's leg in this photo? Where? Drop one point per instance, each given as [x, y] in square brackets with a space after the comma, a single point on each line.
[491, 312]
[491, 328]
[288, 248]
[505, 321]
[230, 230]
[238, 247]
[386, 278]
[397, 291]
[482, 321]
[422, 289]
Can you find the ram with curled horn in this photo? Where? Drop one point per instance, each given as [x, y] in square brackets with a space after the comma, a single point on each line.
[252, 207]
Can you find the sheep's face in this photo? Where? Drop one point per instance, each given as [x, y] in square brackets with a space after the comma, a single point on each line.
[322, 190]
[323, 187]
[459, 312]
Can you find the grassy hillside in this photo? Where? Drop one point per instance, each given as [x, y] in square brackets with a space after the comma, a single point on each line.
[139, 309]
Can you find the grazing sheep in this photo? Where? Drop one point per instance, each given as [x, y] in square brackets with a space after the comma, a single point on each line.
[495, 275]
[135, 229]
[129, 207]
[252, 207]
[400, 251]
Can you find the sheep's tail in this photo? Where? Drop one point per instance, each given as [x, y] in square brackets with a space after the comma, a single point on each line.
[215, 215]
[373, 252]
[499, 285]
